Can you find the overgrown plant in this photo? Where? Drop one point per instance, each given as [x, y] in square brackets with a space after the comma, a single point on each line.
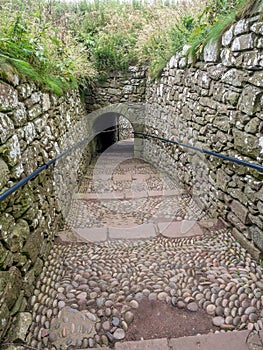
[49, 55]
[215, 20]
[61, 45]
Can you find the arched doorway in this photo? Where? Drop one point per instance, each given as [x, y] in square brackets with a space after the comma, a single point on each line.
[105, 129]
[105, 121]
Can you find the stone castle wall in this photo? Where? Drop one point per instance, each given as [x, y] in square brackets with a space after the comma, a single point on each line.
[35, 126]
[215, 104]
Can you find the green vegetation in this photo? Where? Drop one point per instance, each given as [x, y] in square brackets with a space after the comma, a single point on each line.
[35, 41]
[62, 45]
[215, 20]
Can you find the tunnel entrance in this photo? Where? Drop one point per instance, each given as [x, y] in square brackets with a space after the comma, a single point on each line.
[110, 128]
[106, 131]
[105, 139]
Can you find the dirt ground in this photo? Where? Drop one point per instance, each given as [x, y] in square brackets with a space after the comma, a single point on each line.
[155, 319]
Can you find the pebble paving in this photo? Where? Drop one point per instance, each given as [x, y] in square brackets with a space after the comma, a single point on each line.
[87, 292]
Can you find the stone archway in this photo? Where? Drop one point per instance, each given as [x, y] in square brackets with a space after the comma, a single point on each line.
[105, 119]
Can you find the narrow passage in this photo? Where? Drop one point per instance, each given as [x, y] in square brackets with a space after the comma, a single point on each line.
[140, 261]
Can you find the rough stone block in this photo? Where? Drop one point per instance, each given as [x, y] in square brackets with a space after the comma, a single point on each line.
[208, 102]
[4, 174]
[4, 318]
[222, 180]
[8, 97]
[25, 90]
[10, 285]
[250, 100]
[33, 246]
[257, 236]
[246, 144]
[15, 347]
[20, 304]
[211, 51]
[29, 282]
[252, 126]
[231, 97]
[257, 28]
[234, 77]
[249, 60]
[17, 236]
[24, 320]
[7, 223]
[37, 268]
[34, 98]
[234, 220]
[222, 122]
[243, 42]
[240, 211]
[3, 254]
[19, 115]
[29, 132]
[256, 220]
[248, 245]
[9, 74]
[228, 58]
[256, 79]
[260, 43]
[260, 207]
[228, 36]
[241, 27]
[7, 128]
[46, 102]
[11, 151]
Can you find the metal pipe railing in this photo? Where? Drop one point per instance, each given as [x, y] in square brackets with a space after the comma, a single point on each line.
[39, 170]
[43, 167]
[211, 153]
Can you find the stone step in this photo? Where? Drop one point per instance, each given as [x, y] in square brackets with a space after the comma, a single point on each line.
[219, 341]
[169, 229]
[212, 341]
[125, 195]
[101, 234]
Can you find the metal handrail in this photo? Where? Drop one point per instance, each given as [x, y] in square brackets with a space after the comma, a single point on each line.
[43, 167]
[39, 170]
[211, 153]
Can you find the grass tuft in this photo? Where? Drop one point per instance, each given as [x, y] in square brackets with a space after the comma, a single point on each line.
[62, 45]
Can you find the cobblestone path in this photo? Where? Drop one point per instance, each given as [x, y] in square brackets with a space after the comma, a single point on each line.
[151, 242]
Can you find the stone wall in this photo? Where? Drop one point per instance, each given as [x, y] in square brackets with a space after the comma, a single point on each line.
[35, 126]
[125, 129]
[215, 104]
[118, 88]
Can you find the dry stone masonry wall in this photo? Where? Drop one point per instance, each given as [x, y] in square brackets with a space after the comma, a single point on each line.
[33, 126]
[118, 88]
[215, 104]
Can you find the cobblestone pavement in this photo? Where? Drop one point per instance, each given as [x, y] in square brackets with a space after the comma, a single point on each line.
[121, 191]
[90, 287]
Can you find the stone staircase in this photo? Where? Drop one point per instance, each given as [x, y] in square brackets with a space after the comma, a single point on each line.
[122, 197]
[139, 266]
